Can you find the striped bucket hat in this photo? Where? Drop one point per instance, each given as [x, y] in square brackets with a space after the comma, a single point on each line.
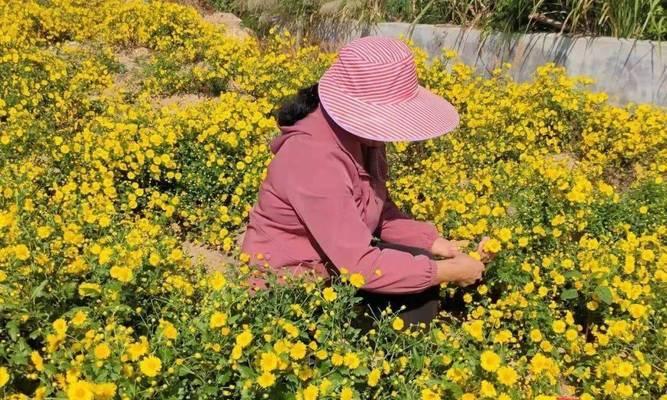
[372, 92]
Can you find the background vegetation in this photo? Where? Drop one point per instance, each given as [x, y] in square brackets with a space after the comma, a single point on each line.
[640, 19]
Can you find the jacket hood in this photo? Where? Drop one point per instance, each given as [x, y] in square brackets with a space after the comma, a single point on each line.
[287, 132]
[317, 126]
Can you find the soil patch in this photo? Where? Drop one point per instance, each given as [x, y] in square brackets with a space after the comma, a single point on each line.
[202, 6]
[567, 160]
[213, 260]
[179, 100]
[133, 61]
[230, 22]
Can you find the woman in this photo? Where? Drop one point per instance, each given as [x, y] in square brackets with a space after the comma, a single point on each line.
[324, 197]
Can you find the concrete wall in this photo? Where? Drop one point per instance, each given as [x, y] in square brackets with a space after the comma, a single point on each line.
[628, 70]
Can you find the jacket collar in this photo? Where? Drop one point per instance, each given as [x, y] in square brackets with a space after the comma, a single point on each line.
[321, 125]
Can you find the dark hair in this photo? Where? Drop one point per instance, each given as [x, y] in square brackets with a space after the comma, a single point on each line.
[297, 107]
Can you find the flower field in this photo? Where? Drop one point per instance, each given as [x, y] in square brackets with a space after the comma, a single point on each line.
[103, 176]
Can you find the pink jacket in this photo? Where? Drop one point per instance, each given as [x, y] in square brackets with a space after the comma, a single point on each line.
[318, 203]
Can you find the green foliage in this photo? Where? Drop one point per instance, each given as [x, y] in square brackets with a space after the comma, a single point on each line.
[641, 19]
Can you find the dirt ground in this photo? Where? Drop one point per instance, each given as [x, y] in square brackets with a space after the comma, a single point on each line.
[213, 260]
[203, 6]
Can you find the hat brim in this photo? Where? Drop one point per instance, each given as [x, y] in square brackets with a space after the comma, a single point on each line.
[424, 116]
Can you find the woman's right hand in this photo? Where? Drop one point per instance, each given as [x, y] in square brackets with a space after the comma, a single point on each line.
[461, 269]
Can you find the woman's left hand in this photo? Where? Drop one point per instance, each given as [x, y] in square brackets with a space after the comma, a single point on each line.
[485, 256]
[447, 248]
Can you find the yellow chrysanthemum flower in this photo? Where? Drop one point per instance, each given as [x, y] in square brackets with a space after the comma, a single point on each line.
[150, 366]
[490, 361]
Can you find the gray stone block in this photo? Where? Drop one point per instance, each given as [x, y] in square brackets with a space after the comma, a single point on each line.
[627, 70]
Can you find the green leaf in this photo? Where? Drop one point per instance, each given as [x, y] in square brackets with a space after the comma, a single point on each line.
[454, 388]
[223, 379]
[569, 294]
[209, 389]
[20, 353]
[39, 290]
[51, 369]
[13, 329]
[246, 372]
[604, 294]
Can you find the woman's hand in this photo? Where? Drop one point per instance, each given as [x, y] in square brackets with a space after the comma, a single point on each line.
[485, 256]
[447, 248]
[461, 269]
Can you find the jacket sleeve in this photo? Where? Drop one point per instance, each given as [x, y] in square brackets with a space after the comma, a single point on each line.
[396, 227]
[319, 189]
